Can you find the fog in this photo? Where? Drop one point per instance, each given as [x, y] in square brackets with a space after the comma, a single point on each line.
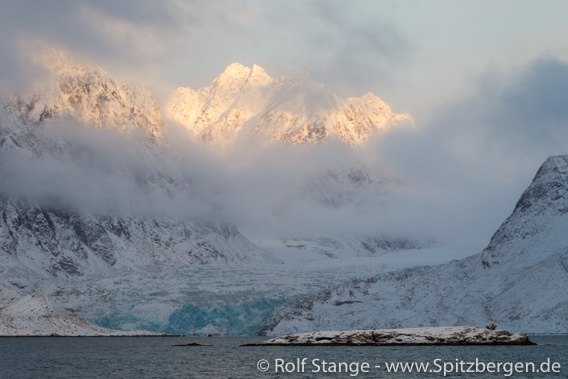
[455, 177]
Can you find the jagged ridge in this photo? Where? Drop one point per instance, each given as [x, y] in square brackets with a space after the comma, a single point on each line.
[86, 93]
[243, 100]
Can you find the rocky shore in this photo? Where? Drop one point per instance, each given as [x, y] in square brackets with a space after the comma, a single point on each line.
[452, 335]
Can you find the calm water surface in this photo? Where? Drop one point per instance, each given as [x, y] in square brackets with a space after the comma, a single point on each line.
[157, 357]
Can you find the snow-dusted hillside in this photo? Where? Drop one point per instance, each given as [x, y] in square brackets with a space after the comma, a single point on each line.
[37, 240]
[295, 110]
[36, 315]
[519, 281]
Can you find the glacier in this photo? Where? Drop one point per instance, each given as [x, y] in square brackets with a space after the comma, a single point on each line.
[233, 298]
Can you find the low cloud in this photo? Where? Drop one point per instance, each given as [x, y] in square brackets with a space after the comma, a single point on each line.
[475, 157]
[266, 190]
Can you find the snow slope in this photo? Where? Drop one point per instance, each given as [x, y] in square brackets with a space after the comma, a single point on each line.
[247, 101]
[35, 315]
[518, 282]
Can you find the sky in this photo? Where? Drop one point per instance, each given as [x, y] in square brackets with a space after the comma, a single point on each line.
[486, 82]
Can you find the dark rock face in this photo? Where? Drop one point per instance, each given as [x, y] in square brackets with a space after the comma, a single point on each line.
[76, 244]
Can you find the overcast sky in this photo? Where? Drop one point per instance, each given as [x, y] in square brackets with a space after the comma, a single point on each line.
[486, 81]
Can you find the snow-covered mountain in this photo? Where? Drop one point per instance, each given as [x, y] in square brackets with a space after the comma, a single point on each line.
[49, 234]
[99, 214]
[245, 101]
[91, 195]
[64, 185]
[519, 281]
[85, 92]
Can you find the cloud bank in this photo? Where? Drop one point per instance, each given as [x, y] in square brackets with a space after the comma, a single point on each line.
[455, 178]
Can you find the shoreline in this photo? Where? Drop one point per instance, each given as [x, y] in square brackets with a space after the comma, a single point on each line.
[391, 344]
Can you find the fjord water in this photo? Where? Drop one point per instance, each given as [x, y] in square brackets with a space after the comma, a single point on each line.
[157, 357]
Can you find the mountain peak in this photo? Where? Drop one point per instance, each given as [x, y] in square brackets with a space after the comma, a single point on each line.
[256, 69]
[293, 110]
[259, 75]
[544, 199]
[235, 71]
[82, 90]
[236, 66]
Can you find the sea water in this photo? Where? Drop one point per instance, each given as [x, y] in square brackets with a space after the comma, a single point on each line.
[158, 357]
